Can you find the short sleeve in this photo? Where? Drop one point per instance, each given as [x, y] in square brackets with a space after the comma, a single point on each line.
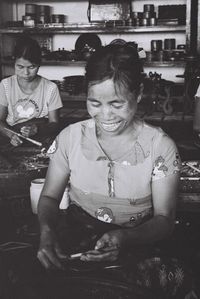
[3, 98]
[59, 149]
[55, 101]
[166, 158]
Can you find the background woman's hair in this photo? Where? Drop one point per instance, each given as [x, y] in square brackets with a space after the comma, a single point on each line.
[118, 62]
[28, 49]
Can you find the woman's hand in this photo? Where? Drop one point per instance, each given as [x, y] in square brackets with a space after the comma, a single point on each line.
[107, 247]
[49, 253]
[15, 140]
[29, 130]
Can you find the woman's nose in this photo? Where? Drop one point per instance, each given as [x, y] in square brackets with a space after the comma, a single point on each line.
[26, 71]
[106, 111]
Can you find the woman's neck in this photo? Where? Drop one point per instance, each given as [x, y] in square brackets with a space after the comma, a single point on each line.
[28, 86]
[117, 146]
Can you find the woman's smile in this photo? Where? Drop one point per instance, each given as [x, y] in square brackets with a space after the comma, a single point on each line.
[111, 127]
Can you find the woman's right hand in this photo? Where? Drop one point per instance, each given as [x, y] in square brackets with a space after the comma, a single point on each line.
[29, 130]
[49, 253]
[15, 140]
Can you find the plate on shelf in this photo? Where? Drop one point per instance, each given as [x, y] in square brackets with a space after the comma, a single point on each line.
[90, 40]
[118, 41]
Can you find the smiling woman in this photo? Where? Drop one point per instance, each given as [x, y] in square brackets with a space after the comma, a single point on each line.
[123, 176]
[26, 97]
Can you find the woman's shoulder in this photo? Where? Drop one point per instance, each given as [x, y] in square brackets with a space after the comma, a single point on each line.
[155, 134]
[9, 80]
[153, 131]
[48, 83]
[79, 127]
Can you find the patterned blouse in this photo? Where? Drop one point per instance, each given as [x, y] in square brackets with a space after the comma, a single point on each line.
[117, 191]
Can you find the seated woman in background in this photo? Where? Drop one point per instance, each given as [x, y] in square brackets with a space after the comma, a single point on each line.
[27, 98]
[123, 174]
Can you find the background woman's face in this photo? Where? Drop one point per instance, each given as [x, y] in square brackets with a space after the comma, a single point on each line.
[25, 70]
[113, 112]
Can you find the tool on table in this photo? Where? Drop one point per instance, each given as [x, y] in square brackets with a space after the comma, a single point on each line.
[98, 251]
[192, 166]
[26, 138]
[10, 246]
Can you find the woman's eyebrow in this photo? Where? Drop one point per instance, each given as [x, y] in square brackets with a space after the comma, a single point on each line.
[19, 64]
[117, 101]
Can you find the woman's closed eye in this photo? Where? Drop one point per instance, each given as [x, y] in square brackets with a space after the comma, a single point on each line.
[116, 105]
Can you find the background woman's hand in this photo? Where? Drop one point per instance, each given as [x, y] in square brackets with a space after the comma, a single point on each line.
[107, 247]
[15, 140]
[29, 130]
[49, 253]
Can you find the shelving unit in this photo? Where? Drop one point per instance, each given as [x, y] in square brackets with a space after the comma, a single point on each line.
[73, 29]
[83, 63]
[83, 28]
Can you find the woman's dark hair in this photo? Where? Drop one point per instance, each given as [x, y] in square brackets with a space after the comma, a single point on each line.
[28, 49]
[118, 62]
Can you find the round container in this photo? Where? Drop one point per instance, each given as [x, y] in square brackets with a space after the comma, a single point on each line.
[57, 18]
[35, 191]
[136, 15]
[156, 45]
[30, 9]
[152, 21]
[148, 7]
[181, 47]
[144, 22]
[43, 10]
[28, 21]
[169, 43]
[43, 14]
[137, 22]
[149, 14]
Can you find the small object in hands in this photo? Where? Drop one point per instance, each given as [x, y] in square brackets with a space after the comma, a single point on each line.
[26, 138]
[96, 252]
[75, 256]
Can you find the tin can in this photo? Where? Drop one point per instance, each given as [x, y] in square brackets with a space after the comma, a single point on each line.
[152, 21]
[156, 45]
[30, 9]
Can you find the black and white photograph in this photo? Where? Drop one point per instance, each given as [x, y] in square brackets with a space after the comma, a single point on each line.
[99, 149]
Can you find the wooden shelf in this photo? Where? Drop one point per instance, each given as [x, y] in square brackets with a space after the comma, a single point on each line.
[73, 98]
[165, 64]
[78, 29]
[83, 63]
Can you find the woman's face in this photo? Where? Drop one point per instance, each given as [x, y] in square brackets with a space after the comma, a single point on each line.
[113, 112]
[26, 70]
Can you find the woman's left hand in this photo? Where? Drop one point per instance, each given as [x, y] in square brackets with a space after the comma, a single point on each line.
[29, 130]
[107, 247]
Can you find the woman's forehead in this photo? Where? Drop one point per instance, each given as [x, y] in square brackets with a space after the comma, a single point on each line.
[23, 62]
[108, 86]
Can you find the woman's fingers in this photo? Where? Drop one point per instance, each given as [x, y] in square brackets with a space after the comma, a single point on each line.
[15, 140]
[49, 259]
[108, 254]
[29, 130]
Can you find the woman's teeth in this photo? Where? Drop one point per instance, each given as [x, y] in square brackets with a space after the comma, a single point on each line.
[111, 127]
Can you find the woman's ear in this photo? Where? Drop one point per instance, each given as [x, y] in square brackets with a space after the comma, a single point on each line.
[140, 93]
